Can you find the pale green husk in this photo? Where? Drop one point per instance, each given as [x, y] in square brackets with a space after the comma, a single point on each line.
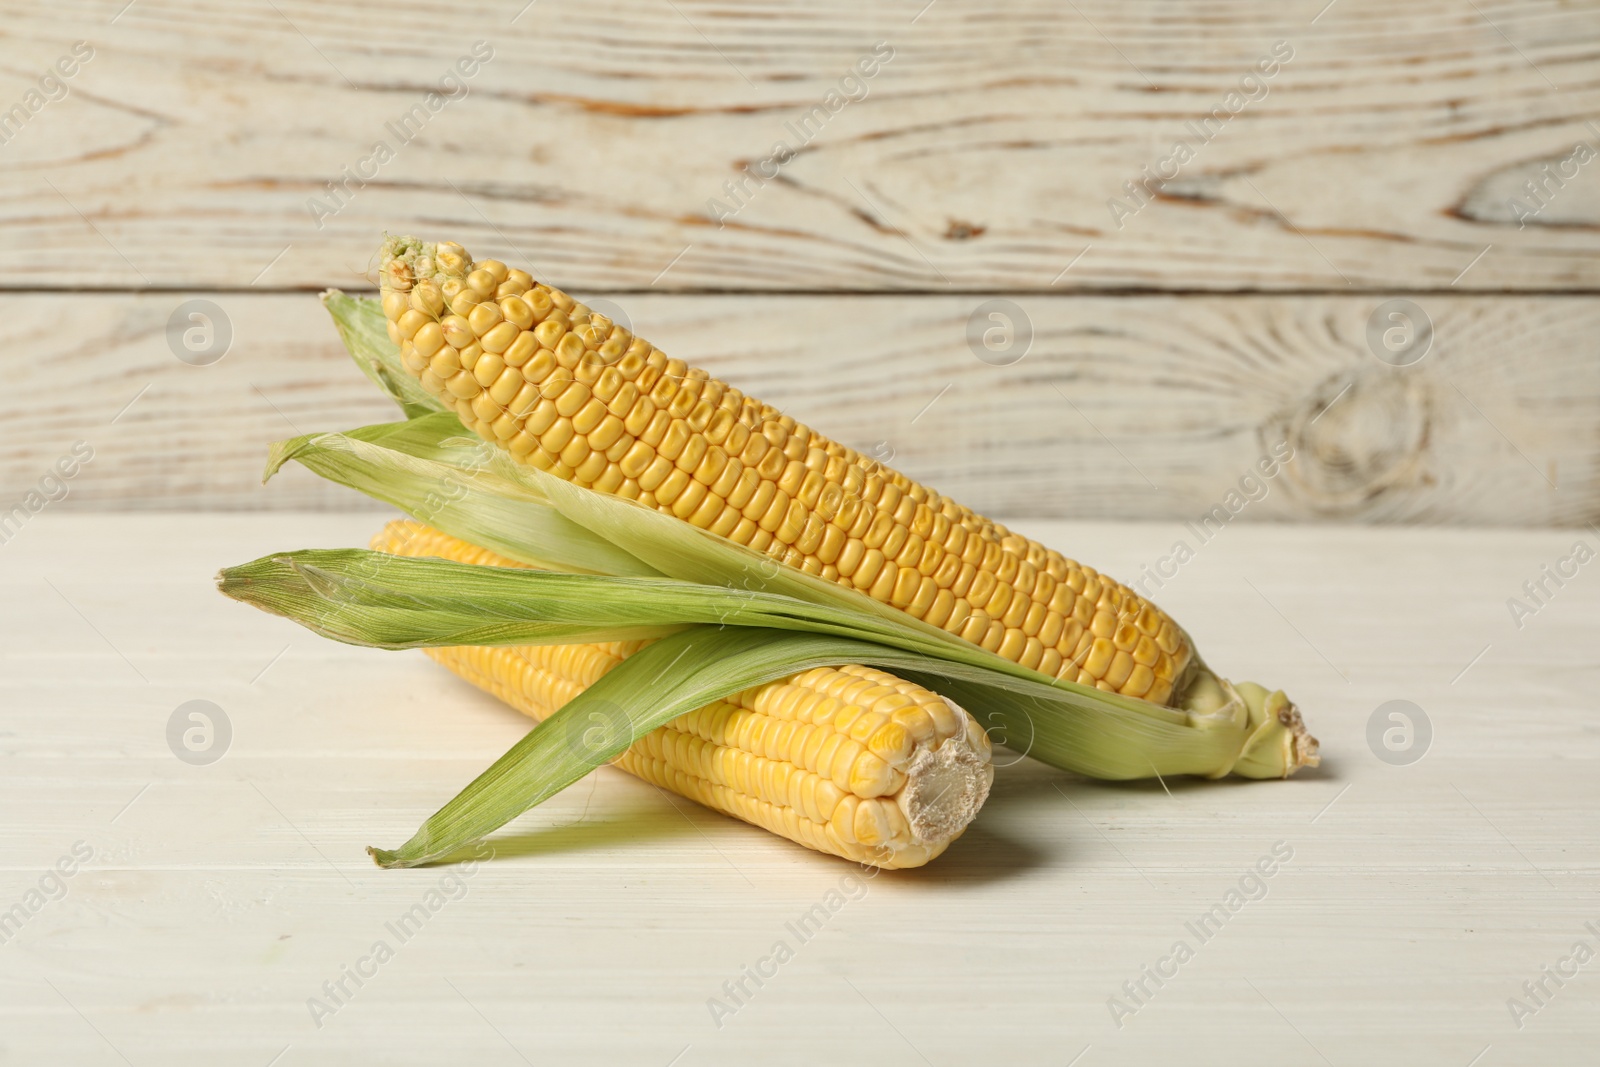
[433, 470]
[726, 618]
[364, 331]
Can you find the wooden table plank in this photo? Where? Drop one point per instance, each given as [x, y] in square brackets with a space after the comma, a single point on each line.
[1385, 150]
[1417, 900]
[1145, 407]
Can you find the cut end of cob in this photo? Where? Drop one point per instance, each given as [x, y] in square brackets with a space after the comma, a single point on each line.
[946, 786]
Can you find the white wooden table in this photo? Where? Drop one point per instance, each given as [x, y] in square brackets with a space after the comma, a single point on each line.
[220, 898]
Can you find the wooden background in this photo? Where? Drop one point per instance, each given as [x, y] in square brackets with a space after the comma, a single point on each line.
[1227, 316]
[1228, 313]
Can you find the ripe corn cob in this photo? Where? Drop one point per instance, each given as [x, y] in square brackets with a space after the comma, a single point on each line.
[849, 761]
[565, 390]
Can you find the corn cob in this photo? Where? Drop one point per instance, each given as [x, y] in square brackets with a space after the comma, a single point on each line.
[849, 761]
[567, 391]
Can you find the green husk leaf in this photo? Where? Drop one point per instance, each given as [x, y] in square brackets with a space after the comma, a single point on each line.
[430, 469]
[383, 601]
[654, 686]
[368, 598]
[539, 519]
[364, 331]
[692, 668]
[407, 463]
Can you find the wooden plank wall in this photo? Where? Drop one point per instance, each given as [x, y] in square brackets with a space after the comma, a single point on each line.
[1325, 160]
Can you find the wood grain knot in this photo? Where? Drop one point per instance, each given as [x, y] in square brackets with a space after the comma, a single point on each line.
[1359, 436]
[1560, 191]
